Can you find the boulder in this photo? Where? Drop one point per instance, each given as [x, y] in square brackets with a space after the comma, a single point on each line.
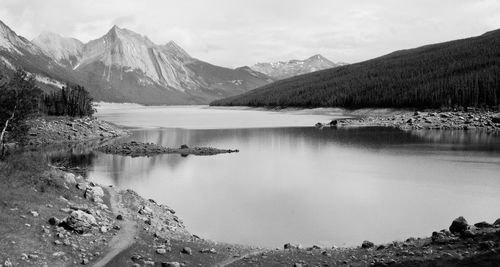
[497, 222]
[483, 225]
[170, 264]
[145, 210]
[459, 225]
[81, 186]
[184, 147]
[334, 123]
[495, 119]
[367, 244]
[69, 178]
[94, 193]
[79, 222]
[54, 221]
[187, 250]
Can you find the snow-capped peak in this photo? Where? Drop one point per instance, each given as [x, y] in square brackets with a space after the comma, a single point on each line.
[285, 69]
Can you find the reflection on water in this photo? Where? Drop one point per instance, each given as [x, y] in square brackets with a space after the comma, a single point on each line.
[311, 186]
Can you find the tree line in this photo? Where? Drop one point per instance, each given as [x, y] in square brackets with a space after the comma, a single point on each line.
[459, 73]
[21, 99]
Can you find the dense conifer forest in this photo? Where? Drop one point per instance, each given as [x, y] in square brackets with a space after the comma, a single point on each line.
[462, 73]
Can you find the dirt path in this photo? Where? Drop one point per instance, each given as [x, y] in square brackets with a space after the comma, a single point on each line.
[125, 237]
[235, 259]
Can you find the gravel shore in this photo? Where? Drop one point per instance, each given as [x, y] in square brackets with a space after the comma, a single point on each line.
[474, 120]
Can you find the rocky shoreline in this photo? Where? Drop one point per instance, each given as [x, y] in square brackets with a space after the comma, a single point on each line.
[54, 130]
[461, 244]
[78, 222]
[137, 149]
[431, 120]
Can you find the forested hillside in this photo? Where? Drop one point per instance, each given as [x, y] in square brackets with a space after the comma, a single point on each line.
[457, 73]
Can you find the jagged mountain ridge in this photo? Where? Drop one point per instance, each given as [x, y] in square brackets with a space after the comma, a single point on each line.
[124, 66]
[285, 69]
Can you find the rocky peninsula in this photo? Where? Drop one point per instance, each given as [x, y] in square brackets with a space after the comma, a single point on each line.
[137, 149]
[427, 120]
[52, 130]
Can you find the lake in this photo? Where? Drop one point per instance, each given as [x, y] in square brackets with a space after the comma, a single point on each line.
[292, 182]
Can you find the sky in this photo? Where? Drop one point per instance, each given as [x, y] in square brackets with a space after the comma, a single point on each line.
[234, 33]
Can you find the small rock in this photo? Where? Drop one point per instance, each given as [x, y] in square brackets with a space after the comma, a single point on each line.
[290, 246]
[58, 254]
[161, 251]
[136, 257]
[7, 263]
[34, 213]
[497, 222]
[58, 242]
[33, 256]
[459, 225]
[170, 264]
[54, 221]
[207, 250]
[24, 256]
[103, 229]
[187, 250]
[367, 244]
[116, 227]
[145, 210]
[85, 261]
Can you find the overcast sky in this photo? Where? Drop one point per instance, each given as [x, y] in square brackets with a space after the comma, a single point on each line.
[242, 32]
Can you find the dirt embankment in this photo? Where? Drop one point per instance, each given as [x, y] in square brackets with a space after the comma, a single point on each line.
[51, 130]
[136, 149]
[405, 120]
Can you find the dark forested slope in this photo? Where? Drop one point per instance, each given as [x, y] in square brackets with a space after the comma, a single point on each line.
[457, 73]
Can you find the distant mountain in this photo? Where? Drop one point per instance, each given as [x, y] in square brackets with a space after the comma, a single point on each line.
[457, 73]
[124, 66]
[285, 69]
[66, 51]
[16, 51]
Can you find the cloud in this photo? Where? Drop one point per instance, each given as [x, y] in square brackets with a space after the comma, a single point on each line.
[234, 33]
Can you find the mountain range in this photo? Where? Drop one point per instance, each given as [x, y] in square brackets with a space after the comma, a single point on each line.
[124, 66]
[285, 69]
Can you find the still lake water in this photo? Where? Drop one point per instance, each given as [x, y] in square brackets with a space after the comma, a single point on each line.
[291, 182]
